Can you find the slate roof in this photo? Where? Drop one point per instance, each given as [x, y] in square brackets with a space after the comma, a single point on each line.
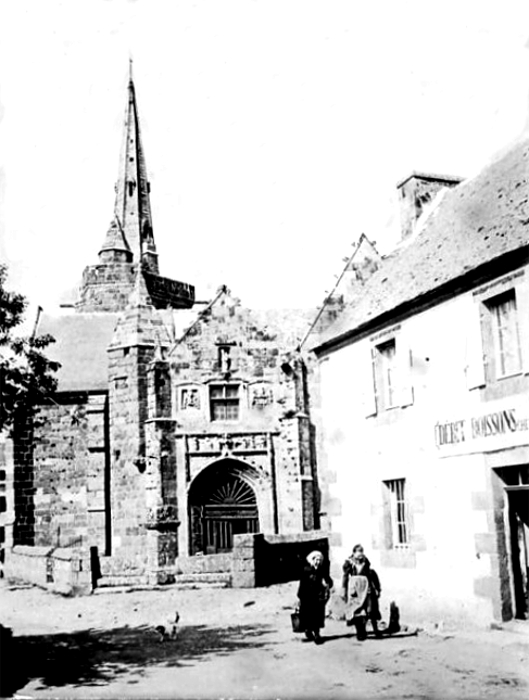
[477, 222]
[82, 339]
[81, 348]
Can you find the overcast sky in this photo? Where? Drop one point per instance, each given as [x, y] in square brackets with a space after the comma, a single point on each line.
[274, 130]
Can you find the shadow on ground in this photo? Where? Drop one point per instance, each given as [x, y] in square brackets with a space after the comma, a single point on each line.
[97, 657]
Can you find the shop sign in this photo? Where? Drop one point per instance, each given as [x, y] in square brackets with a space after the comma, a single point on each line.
[498, 425]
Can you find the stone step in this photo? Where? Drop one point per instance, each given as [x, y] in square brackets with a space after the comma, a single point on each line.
[204, 578]
[127, 584]
[120, 581]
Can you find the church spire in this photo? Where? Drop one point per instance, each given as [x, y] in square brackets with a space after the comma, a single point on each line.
[129, 248]
[133, 207]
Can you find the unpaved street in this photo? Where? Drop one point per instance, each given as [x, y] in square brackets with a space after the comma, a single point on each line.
[238, 644]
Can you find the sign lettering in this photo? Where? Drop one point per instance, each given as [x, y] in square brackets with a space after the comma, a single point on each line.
[473, 431]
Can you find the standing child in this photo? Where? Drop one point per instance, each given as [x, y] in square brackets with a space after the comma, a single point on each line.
[361, 591]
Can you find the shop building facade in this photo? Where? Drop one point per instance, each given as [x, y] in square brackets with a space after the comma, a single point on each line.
[424, 383]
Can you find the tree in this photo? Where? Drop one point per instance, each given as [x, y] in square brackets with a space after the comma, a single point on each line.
[26, 375]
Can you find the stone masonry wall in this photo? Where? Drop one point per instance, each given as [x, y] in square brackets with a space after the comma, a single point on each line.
[236, 345]
[128, 367]
[23, 483]
[65, 571]
[106, 287]
[67, 473]
[161, 477]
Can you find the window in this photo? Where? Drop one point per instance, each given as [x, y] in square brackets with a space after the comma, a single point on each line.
[224, 401]
[385, 360]
[397, 512]
[506, 348]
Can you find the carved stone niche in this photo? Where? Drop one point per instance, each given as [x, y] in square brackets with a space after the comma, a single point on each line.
[162, 518]
[189, 398]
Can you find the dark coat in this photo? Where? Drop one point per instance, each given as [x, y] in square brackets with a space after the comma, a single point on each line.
[313, 593]
[371, 608]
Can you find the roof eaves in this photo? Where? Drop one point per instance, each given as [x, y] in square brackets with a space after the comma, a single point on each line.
[478, 275]
[432, 177]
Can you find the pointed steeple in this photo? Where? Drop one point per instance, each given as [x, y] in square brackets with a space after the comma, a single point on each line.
[133, 207]
[129, 245]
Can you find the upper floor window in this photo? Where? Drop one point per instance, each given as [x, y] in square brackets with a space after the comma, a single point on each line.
[506, 349]
[224, 401]
[385, 367]
[390, 383]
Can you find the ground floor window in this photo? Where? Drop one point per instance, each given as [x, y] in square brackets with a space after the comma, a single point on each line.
[397, 512]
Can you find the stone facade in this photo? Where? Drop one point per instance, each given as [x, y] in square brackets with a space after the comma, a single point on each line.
[173, 430]
[129, 471]
[266, 439]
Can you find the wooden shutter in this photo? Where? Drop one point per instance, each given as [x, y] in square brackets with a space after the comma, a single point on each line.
[405, 361]
[474, 354]
[367, 374]
[522, 311]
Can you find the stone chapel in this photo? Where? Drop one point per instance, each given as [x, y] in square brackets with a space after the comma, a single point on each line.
[176, 424]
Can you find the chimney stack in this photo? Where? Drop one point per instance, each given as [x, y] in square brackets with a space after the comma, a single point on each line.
[416, 193]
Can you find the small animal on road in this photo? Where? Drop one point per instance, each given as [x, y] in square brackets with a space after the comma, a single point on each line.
[168, 628]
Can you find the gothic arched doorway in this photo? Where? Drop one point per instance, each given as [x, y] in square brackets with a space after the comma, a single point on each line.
[222, 503]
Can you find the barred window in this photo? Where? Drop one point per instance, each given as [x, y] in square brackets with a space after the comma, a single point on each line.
[398, 512]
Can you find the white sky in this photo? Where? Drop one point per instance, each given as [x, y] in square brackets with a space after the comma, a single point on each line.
[274, 130]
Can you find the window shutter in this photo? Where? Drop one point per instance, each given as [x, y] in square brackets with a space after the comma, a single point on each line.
[522, 311]
[405, 360]
[475, 359]
[369, 388]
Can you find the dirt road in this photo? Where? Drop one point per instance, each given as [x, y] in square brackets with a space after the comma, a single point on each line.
[238, 644]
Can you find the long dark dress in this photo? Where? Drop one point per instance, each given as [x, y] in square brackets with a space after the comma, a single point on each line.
[313, 593]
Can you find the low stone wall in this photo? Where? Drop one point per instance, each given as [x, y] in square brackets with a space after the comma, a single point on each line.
[60, 570]
[207, 564]
[262, 560]
[256, 560]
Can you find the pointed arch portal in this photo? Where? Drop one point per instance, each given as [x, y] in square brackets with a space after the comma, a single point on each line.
[222, 503]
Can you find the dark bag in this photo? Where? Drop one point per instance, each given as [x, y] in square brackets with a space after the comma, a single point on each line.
[296, 622]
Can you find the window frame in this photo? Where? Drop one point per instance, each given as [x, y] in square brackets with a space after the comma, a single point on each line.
[385, 374]
[499, 334]
[398, 513]
[226, 401]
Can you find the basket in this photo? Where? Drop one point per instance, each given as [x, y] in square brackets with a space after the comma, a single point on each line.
[295, 619]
